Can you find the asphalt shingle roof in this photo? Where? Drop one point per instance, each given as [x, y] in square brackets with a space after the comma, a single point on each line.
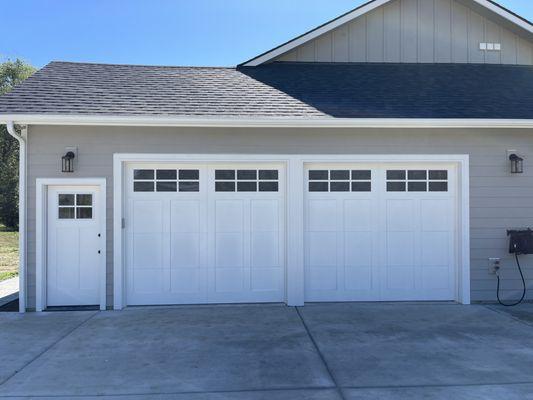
[278, 90]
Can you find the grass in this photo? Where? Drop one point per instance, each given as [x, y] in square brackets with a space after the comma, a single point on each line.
[9, 253]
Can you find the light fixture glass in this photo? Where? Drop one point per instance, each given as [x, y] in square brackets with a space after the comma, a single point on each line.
[67, 162]
[517, 164]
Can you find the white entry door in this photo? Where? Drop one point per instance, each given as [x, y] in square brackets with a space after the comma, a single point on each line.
[74, 251]
[380, 232]
[205, 233]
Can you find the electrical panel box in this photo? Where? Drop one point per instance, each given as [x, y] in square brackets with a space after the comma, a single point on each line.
[520, 241]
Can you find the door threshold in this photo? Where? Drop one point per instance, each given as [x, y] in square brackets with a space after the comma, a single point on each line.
[73, 308]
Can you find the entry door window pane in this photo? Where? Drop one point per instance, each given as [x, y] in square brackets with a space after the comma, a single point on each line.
[75, 206]
[66, 212]
[66, 200]
[84, 212]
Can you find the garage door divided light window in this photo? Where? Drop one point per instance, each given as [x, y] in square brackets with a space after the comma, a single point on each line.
[246, 180]
[340, 180]
[417, 180]
[166, 180]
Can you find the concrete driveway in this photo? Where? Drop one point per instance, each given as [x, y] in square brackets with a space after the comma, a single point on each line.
[318, 352]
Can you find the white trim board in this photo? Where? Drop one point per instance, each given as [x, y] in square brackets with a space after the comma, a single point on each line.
[41, 210]
[232, 122]
[295, 209]
[361, 10]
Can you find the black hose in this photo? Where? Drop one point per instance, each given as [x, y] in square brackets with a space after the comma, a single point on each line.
[523, 283]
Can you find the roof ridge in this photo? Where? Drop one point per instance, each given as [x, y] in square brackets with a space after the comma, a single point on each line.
[138, 65]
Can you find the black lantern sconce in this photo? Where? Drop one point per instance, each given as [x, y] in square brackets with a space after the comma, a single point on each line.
[67, 162]
[517, 164]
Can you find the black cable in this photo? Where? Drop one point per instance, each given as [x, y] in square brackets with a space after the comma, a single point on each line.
[523, 283]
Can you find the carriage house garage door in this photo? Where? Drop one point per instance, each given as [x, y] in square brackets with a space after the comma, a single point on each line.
[380, 232]
[205, 233]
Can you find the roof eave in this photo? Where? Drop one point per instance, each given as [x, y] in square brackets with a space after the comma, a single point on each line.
[165, 121]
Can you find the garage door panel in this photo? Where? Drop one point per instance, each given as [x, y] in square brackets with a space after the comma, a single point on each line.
[400, 214]
[186, 280]
[400, 278]
[229, 280]
[147, 280]
[435, 249]
[265, 249]
[147, 250]
[358, 278]
[358, 215]
[322, 249]
[322, 215]
[185, 216]
[265, 215]
[435, 278]
[229, 215]
[358, 249]
[266, 279]
[148, 215]
[323, 278]
[229, 250]
[435, 215]
[185, 250]
[400, 249]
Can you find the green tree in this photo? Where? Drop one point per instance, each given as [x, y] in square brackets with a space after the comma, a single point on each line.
[11, 74]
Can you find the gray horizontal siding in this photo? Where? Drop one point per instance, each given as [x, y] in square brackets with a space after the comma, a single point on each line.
[417, 31]
[498, 200]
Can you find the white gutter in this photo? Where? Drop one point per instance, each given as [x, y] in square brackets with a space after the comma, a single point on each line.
[230, 122]
[22, 214]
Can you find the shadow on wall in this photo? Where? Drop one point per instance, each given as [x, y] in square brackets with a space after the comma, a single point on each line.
[404, 90]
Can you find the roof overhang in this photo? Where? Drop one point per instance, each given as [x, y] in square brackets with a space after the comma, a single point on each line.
[161, 121]
[363, 9]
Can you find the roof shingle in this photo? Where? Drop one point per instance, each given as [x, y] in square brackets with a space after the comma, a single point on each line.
[278, 90]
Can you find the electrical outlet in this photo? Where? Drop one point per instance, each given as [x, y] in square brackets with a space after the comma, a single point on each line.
[494, 265]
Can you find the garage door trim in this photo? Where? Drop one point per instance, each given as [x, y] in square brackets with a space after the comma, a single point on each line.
[295, 172]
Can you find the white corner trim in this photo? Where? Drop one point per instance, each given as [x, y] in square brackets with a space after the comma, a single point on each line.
[308, 123]
[295, 218]
[365, 8]
[41, 210]
[119, 291]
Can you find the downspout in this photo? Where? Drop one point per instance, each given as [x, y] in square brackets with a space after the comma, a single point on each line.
[22, 214]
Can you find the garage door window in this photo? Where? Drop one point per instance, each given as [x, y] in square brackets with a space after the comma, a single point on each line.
[340, 180]
[166, 180]
[417, 180]
[246, 180]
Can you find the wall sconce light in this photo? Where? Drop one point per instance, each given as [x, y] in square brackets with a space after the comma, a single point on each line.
[67, 162]
[517, 164]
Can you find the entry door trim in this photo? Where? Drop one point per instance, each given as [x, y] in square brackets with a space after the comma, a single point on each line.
[41, 211]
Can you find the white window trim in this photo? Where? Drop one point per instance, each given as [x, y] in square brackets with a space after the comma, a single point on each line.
[295, 165]
[41, 210]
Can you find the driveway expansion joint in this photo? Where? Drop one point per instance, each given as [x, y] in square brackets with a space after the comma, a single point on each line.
[47, 348]
[322, 358]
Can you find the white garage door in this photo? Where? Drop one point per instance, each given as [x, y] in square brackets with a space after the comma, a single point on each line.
[205, 233]
[380, 232]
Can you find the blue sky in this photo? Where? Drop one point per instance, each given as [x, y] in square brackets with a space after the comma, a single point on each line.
[164, 32]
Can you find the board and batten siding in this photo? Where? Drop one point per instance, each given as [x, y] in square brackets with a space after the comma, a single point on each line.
[417, 31]
[498, 199]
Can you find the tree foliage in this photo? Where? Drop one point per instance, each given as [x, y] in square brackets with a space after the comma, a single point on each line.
[11, 73]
